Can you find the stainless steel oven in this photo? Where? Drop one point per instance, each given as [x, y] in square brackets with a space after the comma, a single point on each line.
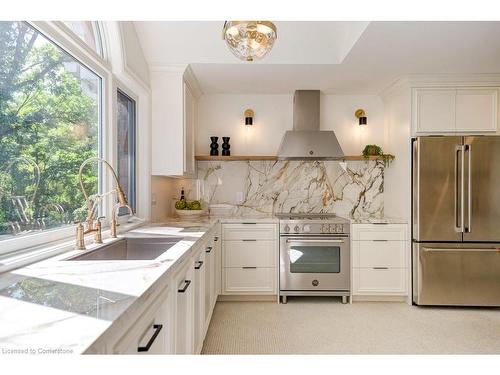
[314, 257]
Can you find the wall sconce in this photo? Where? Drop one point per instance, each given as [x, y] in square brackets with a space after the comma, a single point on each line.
[249, 117]
[361, 115]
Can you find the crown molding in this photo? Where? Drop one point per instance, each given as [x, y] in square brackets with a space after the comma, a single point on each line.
[442, 80]
[192, 82]
[169, 68]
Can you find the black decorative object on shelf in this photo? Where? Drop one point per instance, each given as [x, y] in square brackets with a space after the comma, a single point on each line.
[214, 146]
[226, 146]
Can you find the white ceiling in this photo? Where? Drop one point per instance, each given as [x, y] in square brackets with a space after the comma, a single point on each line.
[201, 42]
[335, 57]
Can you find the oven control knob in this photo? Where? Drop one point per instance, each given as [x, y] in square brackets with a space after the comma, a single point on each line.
[306, 228]
[324, 228]
[333, 228]
[340, 228]
[286, 228]
[296, 229]
[315, 283]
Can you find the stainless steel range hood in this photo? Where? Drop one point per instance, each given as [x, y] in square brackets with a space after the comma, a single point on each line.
[306, 141]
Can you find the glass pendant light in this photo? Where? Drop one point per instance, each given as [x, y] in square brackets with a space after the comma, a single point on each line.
[249, 40]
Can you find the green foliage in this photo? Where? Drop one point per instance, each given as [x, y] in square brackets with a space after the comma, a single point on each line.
[375, 150]
[48, 116]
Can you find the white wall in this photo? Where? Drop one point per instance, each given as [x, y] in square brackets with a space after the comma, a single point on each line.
[337, 113]
[222, 115]
[397, 177]
[135, 63]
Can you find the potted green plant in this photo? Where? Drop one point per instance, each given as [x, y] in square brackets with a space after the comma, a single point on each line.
[374, 150]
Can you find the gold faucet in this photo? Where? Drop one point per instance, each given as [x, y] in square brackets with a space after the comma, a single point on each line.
[122, 202]
[114, 222]
[81, 232]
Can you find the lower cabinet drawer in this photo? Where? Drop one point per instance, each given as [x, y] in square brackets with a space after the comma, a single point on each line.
[249, 253]
[236, 232]
[368, 254]
[249, 280]
[151, 333]
[379, 281]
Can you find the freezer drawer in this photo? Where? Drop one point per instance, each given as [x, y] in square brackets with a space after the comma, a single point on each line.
[463, 274]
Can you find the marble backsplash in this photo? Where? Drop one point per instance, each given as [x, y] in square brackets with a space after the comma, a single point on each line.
[349, 189]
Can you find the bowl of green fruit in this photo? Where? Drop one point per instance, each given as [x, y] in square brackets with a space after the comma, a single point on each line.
[188, 209]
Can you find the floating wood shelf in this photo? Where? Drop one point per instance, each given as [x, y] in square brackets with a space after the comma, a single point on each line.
[267, 157]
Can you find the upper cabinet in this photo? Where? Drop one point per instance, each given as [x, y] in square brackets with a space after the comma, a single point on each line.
[174, 115]
[455, 110]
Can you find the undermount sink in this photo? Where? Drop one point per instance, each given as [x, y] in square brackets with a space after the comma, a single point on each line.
[131, 248]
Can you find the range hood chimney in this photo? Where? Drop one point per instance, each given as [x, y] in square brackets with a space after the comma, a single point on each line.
[306, 141]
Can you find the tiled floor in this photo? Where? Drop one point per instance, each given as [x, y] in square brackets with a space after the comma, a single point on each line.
[325, 326]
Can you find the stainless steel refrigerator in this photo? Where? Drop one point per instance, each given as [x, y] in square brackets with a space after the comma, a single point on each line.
[456, 220]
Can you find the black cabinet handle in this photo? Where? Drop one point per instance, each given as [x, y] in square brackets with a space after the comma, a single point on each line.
[248, 223]
[380, 268]
[185, 287]
[249, 240]
[216, 238]
[249, 268]
[209, 249]
[200, 263]
[157, 328]
[380, 240]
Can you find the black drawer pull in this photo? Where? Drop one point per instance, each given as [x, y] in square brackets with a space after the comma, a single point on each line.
[209, 249]
[380, 268]
[199, 264]
[249, 268]
[216, 238]
[157, 328]
[380, 240]
[185, 287]
[249, 240]
[249, 223]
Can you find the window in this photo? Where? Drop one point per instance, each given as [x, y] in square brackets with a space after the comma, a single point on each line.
[126, 146]
[50, 107]
[87, 31]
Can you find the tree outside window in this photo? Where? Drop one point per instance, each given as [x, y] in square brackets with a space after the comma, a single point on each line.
[49, 124]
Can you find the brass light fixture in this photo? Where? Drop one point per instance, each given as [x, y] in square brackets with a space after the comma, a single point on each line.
[249, 40]
[249, 117]
[361, 115]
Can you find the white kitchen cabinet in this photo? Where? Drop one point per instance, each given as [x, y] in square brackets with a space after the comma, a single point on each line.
[249, 259]
[455, 110]
[477, 110]
[249, 280]
[379, 260]
[379, 281]
[184, 309]
[199, 267]
[210, 280]
[250, 253]
[174, 94]
[151, 334]
[435, 110]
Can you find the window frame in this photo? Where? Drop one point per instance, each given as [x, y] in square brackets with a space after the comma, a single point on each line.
[120, 88]
[81, 52]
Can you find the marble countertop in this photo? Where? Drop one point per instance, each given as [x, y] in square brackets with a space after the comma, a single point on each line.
[383, 220]
[229, 219]
[66, 305]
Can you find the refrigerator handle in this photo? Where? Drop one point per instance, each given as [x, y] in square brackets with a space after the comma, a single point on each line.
[468, 148]
[459, 189]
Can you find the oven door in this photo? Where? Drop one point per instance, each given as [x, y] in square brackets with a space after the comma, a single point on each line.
[314, 263]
